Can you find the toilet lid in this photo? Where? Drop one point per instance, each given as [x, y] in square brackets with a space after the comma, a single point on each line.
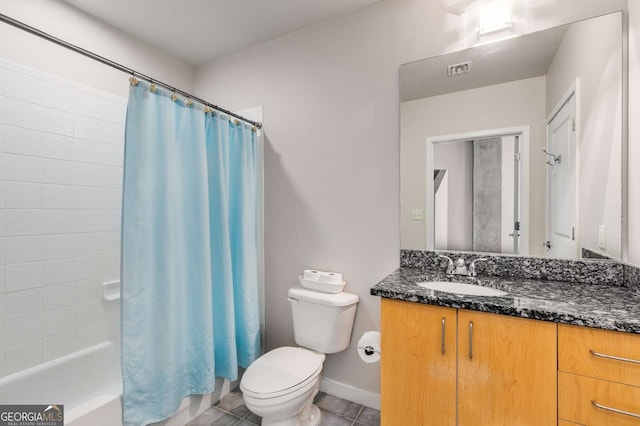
[281, 371]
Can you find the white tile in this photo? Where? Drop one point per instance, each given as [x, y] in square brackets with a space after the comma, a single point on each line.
[23, 276]
[111, 220]
[58, 197]
[58, 146]
[2, 222]
[114, 112]
[86, 128]
[58, 221]
[88, 267]
[23, 249]
[111, 321]
[2, 195]
[86, 104]
[3, 167]
[2, 251]
[23, 357]
[2, 316]
[88, 313]
[57, 346]
[57, 96]
[58, 321]
[2, 280]
[57, 171]
[112, 133]
[23, 222]
[23, 114]
[58, 271]
[88, 244]
[23, 330]
[88, 221]
[2, 357]
[87, 151]
[2, 126]
[23, 168]
[111, 177]
[111, 198]
[87, 174]
[58, 296]
[111, 264]
[2, 71]
[23, 87]
[112, 155]
[58, 246]
[88, 290]
[110, 242]
[23, 303]
[58, 122]
[23, 195]
[86, 337]
[88, 198]
[19, 140]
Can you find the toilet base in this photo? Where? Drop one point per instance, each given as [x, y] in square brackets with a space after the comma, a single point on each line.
[310, 416]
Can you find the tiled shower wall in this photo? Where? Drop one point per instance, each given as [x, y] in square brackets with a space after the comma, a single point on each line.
[61, 154]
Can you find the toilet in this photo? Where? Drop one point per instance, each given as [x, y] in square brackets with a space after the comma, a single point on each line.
[281, 384]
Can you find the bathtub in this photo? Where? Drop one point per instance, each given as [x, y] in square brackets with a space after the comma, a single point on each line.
[87, 382]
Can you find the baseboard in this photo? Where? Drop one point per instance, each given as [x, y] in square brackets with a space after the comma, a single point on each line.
[359, 396]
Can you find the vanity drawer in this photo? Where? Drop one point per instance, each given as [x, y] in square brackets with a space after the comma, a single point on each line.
[603, 354]
[576, 393]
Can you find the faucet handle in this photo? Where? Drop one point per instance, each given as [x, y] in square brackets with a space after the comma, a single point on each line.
[450, 266]
[472, 266]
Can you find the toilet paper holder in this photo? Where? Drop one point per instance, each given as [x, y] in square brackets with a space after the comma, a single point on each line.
[369, 350]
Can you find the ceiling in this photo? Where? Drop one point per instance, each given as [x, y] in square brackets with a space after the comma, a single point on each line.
[197, 31]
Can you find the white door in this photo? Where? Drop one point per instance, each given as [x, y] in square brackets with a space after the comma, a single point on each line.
[561, 182]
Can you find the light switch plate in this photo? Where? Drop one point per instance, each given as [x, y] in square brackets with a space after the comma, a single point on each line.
[416, 214]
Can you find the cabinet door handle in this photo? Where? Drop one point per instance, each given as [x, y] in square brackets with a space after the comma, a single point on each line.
[616, 358]
[615, 410]
[470, 339]
[443, 322]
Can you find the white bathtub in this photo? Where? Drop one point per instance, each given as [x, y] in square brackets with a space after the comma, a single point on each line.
[87, 382]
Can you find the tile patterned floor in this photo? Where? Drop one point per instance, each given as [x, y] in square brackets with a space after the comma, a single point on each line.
[231, 411]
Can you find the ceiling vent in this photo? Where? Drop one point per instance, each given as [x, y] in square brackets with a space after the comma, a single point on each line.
[460, 68]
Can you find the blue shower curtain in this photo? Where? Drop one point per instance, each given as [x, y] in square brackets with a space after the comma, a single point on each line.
[189, 257]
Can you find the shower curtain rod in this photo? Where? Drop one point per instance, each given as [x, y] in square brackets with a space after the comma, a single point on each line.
[21, 25]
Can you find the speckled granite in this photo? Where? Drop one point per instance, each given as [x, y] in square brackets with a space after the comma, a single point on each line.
[596, 305]
[632, 277]
[585, 271]
[592, 254]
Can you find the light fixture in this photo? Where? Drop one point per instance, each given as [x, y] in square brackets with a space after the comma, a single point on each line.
[489, 20]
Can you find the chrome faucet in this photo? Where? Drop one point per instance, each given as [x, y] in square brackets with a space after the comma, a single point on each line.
[460, 268]
[472, 266]
[457, 268]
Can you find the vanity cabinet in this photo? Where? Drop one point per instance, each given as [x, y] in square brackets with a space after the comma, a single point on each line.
[444, 366]
[599, 376]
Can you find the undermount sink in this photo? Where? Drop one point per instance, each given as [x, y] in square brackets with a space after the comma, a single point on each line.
[461, 288]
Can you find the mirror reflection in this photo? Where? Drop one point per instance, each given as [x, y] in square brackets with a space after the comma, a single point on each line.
[519, 151]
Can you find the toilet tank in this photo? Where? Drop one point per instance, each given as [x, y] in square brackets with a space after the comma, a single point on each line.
[322, 321]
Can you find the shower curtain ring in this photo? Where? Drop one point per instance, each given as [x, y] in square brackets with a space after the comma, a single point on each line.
[174, 97]
[133, 80]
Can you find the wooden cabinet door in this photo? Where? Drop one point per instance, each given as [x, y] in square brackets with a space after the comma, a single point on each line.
[507, 372]
[417, 380]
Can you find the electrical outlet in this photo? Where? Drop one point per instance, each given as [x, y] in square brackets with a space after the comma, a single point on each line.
[416, 214]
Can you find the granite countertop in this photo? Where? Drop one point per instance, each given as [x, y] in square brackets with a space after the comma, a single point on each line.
[593, 305]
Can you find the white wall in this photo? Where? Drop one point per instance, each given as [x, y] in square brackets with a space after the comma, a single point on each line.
[590, 51]
[515, 103]
[330, 96]
[633, 236]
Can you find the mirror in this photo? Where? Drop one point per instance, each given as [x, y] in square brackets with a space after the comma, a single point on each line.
[521, 152]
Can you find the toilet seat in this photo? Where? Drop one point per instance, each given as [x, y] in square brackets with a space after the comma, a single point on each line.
[280, 372]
